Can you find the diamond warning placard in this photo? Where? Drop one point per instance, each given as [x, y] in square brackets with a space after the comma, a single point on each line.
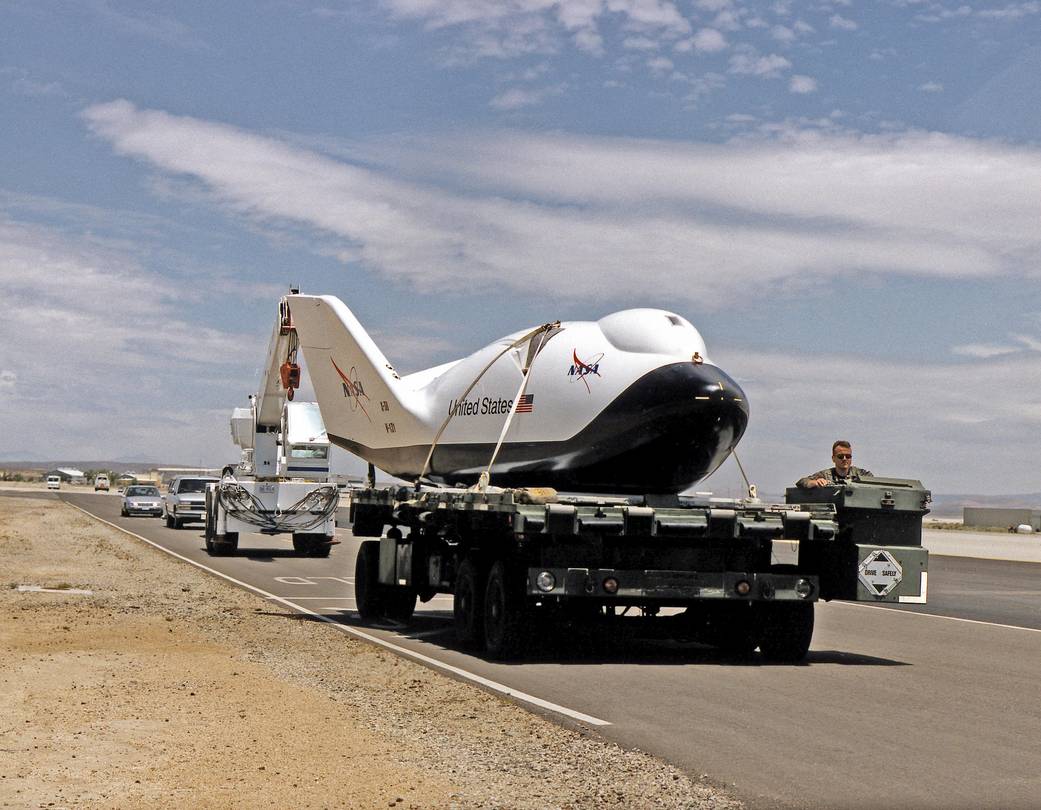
[880, 572]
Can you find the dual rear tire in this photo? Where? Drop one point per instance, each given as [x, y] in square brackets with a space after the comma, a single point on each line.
[222, 545]
[489, 609]
[786, 630]
[376, 601]
[781, 630]
[311, 545]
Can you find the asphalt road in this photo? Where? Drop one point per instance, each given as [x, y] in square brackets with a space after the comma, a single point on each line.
[926, 706]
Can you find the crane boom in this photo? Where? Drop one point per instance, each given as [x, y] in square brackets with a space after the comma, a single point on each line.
[281, 375]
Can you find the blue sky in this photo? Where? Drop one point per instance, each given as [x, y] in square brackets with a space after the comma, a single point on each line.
[845, 198]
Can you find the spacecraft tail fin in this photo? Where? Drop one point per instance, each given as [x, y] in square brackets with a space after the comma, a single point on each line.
[362, 399]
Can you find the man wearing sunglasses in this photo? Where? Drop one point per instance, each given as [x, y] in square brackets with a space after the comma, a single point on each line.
[842, 456]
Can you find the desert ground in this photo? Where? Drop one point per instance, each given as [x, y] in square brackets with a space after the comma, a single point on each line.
[134, 680]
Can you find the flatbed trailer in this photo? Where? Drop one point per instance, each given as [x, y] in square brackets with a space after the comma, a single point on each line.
[743, 574]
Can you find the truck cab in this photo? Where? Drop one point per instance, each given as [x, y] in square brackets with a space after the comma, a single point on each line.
[304, 452]
[53, 482]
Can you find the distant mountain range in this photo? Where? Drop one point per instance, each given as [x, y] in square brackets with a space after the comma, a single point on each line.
[952, 505]
[117, 466]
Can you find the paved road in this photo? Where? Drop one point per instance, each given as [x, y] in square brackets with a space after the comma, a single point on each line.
[984, 545]
[939, 706]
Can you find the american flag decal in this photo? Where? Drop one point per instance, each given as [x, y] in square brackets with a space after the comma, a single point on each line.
[526, 404]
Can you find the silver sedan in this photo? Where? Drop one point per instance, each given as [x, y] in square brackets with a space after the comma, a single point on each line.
[142, 500]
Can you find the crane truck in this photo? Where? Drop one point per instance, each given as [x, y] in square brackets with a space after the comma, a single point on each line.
[281, 483]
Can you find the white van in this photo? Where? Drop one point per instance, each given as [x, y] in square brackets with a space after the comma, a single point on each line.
[53, 482]
[101, 482]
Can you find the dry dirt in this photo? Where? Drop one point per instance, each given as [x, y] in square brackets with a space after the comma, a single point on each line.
[165, 687]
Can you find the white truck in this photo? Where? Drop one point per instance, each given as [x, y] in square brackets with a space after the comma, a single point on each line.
[280, 485]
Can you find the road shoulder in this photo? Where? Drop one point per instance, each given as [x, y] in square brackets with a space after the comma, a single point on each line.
[165, 687]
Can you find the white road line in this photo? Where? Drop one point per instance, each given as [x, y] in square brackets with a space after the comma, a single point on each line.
[321, 598]
[939, 616]
[352, 631]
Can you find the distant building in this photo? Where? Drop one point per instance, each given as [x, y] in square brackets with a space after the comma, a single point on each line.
[1001, 517]
[167, 474]
[68, 475]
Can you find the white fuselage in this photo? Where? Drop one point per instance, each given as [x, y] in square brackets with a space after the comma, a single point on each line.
[602, 400]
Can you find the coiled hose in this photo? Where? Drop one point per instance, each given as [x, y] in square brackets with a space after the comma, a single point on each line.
[315, 507]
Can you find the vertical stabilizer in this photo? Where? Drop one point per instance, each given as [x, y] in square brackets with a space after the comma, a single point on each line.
[362, 399]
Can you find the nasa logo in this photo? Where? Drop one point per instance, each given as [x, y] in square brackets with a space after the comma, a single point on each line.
[353, 389]
[583, 369]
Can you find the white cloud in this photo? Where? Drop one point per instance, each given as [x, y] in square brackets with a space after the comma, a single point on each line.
[701, 87]
[515, 27]
[148, 25]
[640, 44]
[748, 62]
[802, 84]
[1012, 11]
[709, 40]
[842, 23]
[22, 83]
[1031, 343]
[712, 6]
[102, 352]
[944, 435]
[517, 97]
[704, 221]
[727, 20]
[589, 41]
[660, 65]
[984, 350]
[931, 87]
[1023, 343]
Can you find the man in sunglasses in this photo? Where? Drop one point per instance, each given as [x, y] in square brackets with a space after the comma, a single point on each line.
[842, 456]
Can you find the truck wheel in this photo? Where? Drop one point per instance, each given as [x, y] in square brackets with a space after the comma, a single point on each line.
[367, 590]
[732, 627]
[225, 545]
[400, 604]
[737, 631]
[311, 545]
[787, 628]
[169, 521]
[468, 605]
[209, 528]
[503, 614]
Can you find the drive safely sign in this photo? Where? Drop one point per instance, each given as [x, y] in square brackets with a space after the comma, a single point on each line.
[880, 572]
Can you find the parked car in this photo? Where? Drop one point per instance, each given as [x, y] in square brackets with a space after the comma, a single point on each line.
[53, 482]
[141, 500]
[101, 483]
[186, 499]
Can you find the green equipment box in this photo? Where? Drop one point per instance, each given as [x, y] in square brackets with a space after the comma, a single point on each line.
[877, 554]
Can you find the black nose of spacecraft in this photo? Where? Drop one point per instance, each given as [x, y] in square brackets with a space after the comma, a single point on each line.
[700, 415]
[669, 430]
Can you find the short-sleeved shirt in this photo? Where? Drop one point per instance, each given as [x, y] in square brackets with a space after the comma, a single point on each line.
[831, 475]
